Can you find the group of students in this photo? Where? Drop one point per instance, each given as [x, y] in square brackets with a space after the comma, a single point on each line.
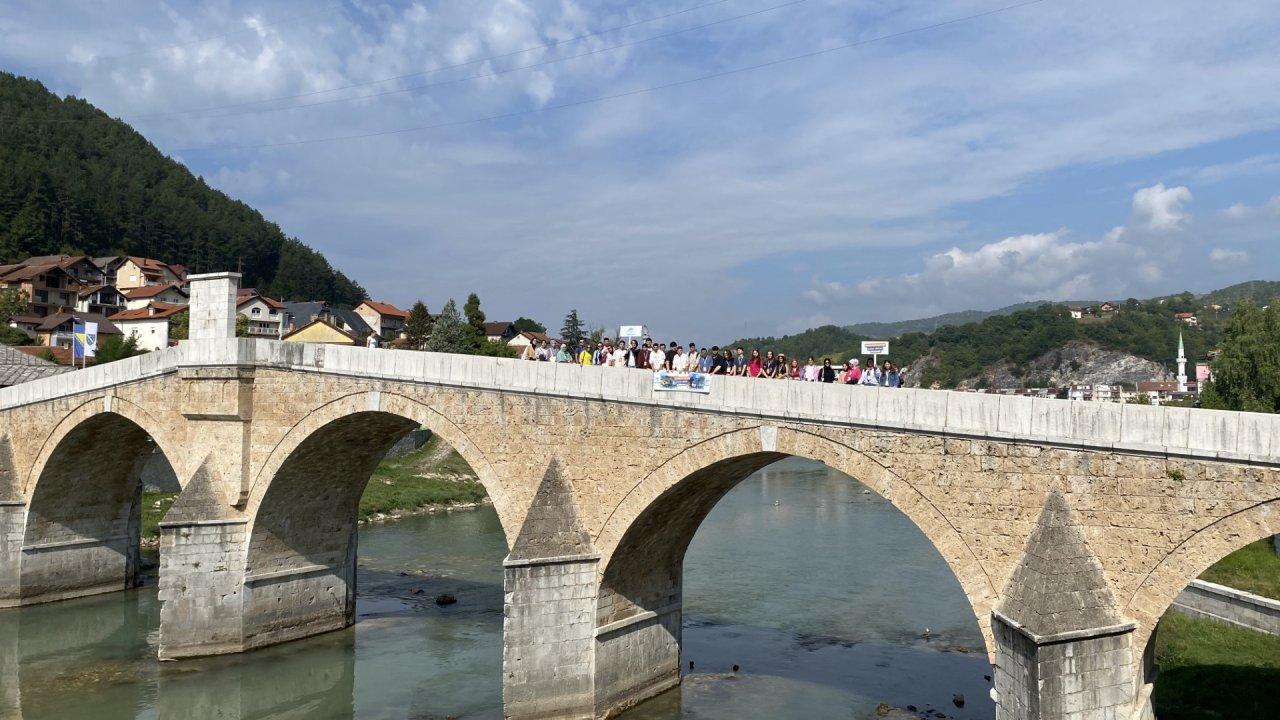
[673, 357]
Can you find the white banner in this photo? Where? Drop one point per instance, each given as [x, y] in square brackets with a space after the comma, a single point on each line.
[875, 347]
[667, 381]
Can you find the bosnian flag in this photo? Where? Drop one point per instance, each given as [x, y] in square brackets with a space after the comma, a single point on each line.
[85, 342]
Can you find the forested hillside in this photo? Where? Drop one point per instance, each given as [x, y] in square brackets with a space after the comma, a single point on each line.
[73, 180]
[1143, 328]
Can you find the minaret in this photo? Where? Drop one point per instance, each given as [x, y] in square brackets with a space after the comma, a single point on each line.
[1182, 366]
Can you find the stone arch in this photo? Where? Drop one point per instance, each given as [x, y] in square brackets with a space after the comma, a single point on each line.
[1192, 557]
[300, 550]
[392, 404]
[644, 540]
[166, 440]
[83, 496]
[748, 446]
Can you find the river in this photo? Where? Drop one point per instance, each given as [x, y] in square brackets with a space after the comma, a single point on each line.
[820, 590]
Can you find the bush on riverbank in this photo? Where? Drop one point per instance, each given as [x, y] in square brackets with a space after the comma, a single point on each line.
[1254, 568]
[434, 474]
[1211, 670]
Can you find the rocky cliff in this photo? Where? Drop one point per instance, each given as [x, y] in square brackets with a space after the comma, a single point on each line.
[1076, 363]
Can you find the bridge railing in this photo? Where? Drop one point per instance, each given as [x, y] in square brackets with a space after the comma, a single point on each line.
[1247, 437]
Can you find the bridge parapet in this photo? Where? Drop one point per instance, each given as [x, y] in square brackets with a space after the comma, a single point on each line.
[1145, 429]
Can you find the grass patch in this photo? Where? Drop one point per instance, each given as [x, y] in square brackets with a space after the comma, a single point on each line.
[434, 474]
[1254, 568]
[154, 506]
[1211, 670]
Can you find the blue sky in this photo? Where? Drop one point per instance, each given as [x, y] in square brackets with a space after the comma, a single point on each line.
[1054, 150]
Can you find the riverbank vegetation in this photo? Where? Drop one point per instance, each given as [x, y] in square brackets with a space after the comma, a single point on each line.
[1211, 670]
[433, 476]
[1254, 568]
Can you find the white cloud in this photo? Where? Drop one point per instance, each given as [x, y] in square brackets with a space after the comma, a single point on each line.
[1159, 208]
[1138, 258]
[1226, 255]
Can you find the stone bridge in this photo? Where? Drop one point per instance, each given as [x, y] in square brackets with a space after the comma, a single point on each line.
[1070, 526]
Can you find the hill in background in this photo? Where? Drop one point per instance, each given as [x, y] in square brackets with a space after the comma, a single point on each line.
[1013, 344]
[74, 180]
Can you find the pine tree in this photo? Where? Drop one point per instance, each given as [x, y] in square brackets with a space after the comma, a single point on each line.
[475, 318]
[450, 334]
[573, 329]
[418, 326]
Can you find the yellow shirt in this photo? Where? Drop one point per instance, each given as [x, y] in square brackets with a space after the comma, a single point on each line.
[584, 358]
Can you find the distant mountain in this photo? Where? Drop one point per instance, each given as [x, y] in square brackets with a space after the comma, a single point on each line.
[886, 330]
[73, 180]
[1261, 292]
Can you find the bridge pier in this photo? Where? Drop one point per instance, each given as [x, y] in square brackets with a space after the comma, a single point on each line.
[13, 517]
[1063, 652]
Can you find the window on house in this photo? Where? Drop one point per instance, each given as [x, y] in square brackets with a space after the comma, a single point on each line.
[257, 311]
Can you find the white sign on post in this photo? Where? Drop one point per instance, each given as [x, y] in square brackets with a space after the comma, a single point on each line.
[631, 331]
[875, 347]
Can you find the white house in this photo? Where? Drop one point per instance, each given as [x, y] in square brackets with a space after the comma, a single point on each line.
[266, 315]
[141, 297]
[149, 325]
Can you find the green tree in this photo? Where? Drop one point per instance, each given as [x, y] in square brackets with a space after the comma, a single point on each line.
[13, 336]
[1246, 374]
[451, 334]
[524, 324]
[418, 326]
[180, 326]
[475, 318]
[116, 347]
[489, 348]
[573, 329]
[13, 301]
[242, 326]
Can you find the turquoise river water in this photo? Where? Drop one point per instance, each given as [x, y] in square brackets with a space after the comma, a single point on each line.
[829, 599]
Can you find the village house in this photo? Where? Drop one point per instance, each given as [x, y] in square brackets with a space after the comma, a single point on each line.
[81, 268]
[525, 339]
[49, 288]
[500, 331]
[57, 330]
[1076, 312]
[322, 330]
[148, 325]
[387, 320]
[1188, 317]
[136, 272]
[266, 315]
[108, 265]
[1107, 308]
[101, 300]
[298, 314]
[141, 297]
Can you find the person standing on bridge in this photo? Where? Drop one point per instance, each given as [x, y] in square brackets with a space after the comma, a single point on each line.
[828, 373]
